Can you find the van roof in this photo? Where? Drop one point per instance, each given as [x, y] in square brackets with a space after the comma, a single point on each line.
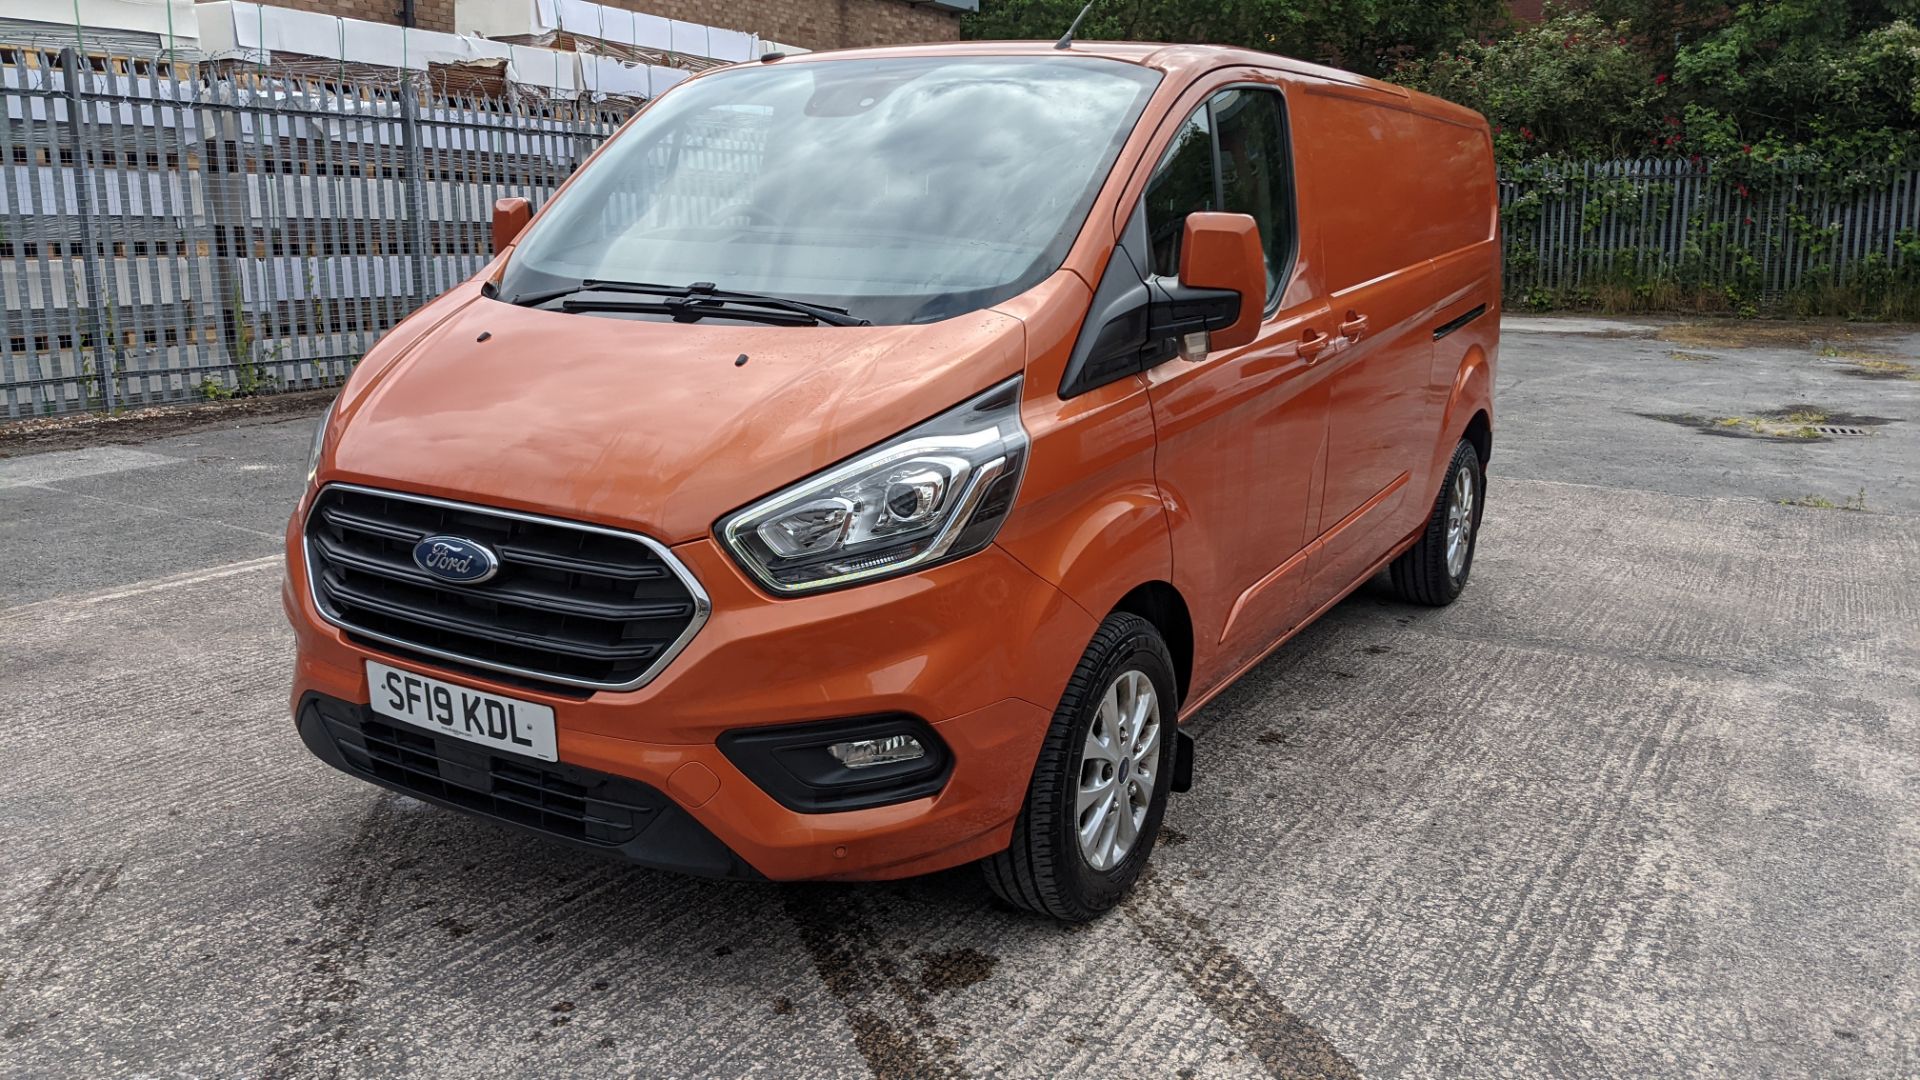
[1178, 60]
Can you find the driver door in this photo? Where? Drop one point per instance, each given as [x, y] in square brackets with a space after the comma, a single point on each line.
[1241, 431]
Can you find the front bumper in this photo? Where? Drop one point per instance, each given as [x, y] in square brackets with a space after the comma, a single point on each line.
[978, 648]
[580, 807]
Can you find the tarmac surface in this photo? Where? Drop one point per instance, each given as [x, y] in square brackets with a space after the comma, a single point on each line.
[1645, 801]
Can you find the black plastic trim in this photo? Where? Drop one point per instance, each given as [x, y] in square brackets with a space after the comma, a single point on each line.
[340, 555]
[332, 589]
[631, 820]
[1113, 337]
[1449, 327]
[1179, 310]
[791, 763]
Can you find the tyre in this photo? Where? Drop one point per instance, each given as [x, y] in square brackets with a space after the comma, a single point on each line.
[1101, 783]
[1435, 568]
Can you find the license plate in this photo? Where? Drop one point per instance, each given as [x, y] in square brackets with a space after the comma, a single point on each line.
[503, 723]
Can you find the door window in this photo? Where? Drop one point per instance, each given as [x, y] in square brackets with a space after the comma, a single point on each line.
[1231, 155]
[1182, 184]
[1253, 170]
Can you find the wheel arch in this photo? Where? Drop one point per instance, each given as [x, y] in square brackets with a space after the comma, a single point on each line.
[1479, 432]
[1469, 412]
[1161, 604]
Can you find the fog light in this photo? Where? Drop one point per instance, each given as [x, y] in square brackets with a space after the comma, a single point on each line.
[866, 753]
[824, 766]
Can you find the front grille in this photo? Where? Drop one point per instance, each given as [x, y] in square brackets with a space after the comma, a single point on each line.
[572, 604]
[559, 799]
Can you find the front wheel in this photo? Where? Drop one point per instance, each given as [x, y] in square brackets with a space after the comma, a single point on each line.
[1435, 568]
[1100, 786]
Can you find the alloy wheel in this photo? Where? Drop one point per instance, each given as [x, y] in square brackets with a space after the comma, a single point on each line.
[1117, 770]
[1460, 522]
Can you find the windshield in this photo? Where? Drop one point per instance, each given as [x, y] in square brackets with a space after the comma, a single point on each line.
[903, 190]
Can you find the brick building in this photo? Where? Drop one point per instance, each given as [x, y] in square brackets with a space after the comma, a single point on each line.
[810, 24]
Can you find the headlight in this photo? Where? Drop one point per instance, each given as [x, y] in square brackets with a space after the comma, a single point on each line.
[937, 492]
[319, 441]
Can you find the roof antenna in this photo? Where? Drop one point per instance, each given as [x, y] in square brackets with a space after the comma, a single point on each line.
[1066, 39]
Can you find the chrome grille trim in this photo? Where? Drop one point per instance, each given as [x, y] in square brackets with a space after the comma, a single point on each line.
[702, 605]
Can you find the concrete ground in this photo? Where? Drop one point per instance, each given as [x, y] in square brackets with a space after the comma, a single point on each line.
[1644, 802]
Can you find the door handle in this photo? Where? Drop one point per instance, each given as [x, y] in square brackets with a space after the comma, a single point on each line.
[1355, 325]
[1312, 344]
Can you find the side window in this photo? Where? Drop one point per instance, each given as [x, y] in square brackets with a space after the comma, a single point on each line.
[1231, 155]
[1182, 184]
[1253, 171]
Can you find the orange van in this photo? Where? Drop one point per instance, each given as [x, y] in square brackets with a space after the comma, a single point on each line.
[867, 460]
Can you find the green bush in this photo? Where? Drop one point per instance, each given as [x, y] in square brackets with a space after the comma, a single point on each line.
[1818, 86]
[1573, 86]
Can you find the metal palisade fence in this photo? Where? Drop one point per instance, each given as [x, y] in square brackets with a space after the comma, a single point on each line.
[174, 231]
[178, 232]
[1670, 233]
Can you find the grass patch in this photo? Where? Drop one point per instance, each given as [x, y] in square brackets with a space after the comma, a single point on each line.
[1873, 367]
[1798, 424]
[1856, 503]
[1845, 338]
[1690, 357]
[1856, 351]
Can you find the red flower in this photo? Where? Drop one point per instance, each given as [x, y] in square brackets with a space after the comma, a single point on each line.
[1695, 158]
[1749, 219]
[1527, 134]
[1660, 79]
[1747, 149]
[1742, 189]
[1673, 121]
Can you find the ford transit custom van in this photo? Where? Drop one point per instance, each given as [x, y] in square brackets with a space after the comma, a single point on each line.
[867, 460]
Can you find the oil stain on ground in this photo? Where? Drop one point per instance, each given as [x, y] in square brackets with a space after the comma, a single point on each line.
[1285, 1044]
[345, 918]
[60, 907]
[954, 969]
[894, 1031]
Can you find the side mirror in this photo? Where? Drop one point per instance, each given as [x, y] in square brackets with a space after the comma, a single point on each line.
[1220, 254]
[510, 216]
[1132, 324]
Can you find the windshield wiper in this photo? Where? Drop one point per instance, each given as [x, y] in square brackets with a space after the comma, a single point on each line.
[681, 313]
[688, 303]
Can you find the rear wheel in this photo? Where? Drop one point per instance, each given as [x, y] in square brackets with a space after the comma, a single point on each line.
[1435, 568]
[1100, 786]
